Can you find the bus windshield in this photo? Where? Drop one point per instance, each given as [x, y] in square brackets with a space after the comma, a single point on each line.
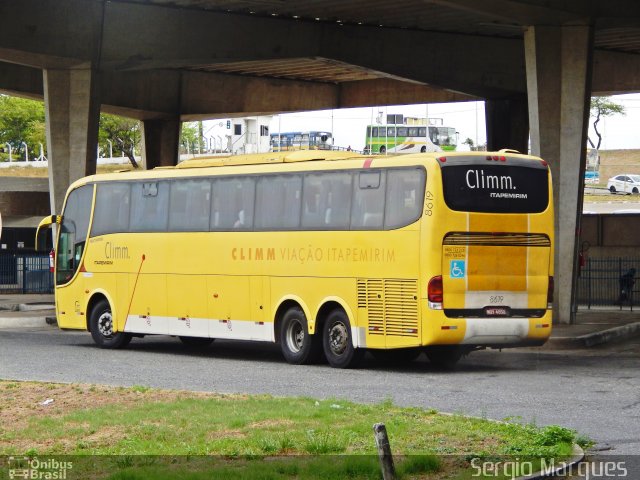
[73, 233]
[443, 136]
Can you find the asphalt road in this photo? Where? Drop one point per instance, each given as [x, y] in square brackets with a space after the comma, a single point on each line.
[596, 392]
[613, 206]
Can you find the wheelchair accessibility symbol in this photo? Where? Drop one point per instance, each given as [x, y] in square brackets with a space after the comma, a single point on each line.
[457, 269]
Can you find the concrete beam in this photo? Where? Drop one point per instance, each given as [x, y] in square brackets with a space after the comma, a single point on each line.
[117, 36]
[160, 141]
[51, 34]
[615, 72]
[518, 12]
[72, 111]
[507, 121]
[199, 95]
[160, 94]
[380, 49]
[21, 81]
[126, 36]
[559, 85]
[367, 93]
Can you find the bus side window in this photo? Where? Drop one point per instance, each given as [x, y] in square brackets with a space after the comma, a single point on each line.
[111, 213]
[405, 194]
[278, 202]
[327, 200]
[149, 206]
[368, 201]
[189, 205]
[232, 203]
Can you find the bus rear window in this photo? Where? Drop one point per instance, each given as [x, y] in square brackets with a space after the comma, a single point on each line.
[495, 188]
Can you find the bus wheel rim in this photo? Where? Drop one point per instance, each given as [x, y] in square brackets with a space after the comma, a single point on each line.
[295, 336]
[338, 338]
[105, 325]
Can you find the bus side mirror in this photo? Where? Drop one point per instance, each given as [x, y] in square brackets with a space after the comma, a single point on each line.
[45, 224]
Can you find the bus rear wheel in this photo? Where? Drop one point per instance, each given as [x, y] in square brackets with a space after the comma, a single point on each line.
[101, 326]
[337, 341]
[297, 344]
[444, 356]
[383, 150]
[423, 149]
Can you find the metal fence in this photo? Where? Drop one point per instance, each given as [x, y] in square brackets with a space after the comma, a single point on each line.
[27, 273]
[609, 282]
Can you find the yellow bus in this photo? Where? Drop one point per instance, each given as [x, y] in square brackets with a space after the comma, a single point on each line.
[327, 253]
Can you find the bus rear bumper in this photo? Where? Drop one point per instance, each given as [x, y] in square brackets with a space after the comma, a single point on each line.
[507, 331]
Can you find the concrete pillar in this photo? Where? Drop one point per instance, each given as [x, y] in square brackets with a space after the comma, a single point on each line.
[559, 66]
[72, 109]
[507, 123]
[160, 142]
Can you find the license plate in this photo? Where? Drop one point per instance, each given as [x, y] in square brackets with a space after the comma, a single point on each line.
[496, 311]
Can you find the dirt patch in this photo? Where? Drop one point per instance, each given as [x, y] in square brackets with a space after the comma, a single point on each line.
[270, 423]
[21, 401]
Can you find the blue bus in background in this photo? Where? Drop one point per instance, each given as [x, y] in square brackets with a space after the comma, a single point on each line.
[312, 140]
[591, 177]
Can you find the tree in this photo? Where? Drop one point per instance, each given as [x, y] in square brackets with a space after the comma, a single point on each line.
[602, 107]
[21, 120]
[189, 135]
[123, 132]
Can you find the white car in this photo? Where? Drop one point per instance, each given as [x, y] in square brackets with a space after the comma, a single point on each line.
[625, 183]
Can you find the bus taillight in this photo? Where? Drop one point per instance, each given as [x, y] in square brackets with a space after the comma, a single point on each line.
[52, 257]
[434, 293]
[550, 293]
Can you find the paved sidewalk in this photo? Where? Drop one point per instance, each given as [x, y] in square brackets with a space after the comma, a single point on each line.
[27, 311]
[596, 327]
[593, 327]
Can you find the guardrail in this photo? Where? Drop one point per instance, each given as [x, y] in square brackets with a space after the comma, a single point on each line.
[25, 273]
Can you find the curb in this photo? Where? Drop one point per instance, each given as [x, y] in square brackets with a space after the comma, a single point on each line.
[597, 338]
[26, 307]
[562, 469]
[35, 307]
[27, 321]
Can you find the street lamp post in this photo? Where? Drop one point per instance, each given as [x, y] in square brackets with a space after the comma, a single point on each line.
[110, 149]
[10, 151]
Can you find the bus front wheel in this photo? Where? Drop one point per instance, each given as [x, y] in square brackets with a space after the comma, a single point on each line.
[101, 326]
[298, 346]
[423, 149]
[338, 343]
[383, 150]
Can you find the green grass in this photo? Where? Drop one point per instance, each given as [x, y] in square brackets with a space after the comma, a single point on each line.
[262, 437]
[267, 426]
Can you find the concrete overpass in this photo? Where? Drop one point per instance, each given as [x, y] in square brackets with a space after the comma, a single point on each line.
[535, 63]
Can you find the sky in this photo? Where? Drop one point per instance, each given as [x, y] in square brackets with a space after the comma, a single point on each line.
[348, 125]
